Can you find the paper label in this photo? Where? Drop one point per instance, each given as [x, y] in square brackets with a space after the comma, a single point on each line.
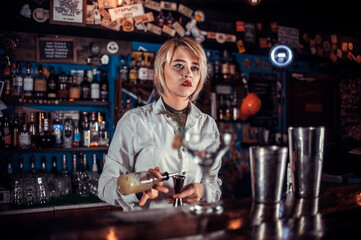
[127, 11]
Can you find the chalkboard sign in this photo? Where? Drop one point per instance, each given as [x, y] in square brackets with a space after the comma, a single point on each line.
[62, 50]
[265, 86]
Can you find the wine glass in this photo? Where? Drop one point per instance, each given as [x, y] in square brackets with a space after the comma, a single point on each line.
[206, 150]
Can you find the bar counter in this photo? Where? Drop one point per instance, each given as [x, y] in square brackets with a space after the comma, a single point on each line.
[335, 214]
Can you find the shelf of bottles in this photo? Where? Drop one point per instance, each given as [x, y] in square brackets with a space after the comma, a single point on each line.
[228, 86]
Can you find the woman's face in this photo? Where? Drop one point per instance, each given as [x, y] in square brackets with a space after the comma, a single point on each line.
[182, 74]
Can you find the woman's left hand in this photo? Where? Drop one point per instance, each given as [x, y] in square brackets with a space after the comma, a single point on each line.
[191, 193]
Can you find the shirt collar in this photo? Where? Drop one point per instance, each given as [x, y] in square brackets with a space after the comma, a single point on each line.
[159, 108]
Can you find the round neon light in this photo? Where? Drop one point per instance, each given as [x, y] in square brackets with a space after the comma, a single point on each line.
[281, 56]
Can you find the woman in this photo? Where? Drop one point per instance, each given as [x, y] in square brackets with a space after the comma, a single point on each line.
[143, 139]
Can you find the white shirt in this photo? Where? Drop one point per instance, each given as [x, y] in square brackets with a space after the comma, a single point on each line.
[142, 140]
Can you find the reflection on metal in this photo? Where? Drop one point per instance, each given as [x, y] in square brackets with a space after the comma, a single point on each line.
[111, 235]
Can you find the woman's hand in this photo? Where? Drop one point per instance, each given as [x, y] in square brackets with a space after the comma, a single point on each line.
[154, 191]
[191, 193]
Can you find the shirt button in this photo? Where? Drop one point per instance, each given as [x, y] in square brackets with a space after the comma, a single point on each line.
[183, 150]
[167, 116]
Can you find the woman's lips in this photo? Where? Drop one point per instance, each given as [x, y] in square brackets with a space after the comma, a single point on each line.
[187, 83]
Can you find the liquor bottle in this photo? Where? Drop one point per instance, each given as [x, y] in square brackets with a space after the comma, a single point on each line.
[133, 72]
[86, 130]
[2, 136]
[40, 117]
[77, 135]
[10, 169]
[75, 168]
[139, 181]
[221, 109]
[225, 69]
[160, 19]
[85, 86]
[21, 164]
[54, 167]
[46, 139]
[24, 137]
[65, 177]
[228, 116]
[123, 69]
[169, 20]
[95, 164]
[95, 87]
[32, 129]
[16, 129]
[7, 131]
[63, 87]
[68, 133]
[104, 137]
[57, 130]
[150, 67]
[43, 164]
[85, 166]
[52, 86]
[235, 108]
[142, 70]
[8, 84]
[74, 91]
[28, 84]
[104, 89]
[94, 130]
[210, 66]
[32, 169]
[217, 68]
[18, 84]
[40, 85]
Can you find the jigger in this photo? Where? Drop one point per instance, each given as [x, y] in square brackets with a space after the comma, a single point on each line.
[178, 185]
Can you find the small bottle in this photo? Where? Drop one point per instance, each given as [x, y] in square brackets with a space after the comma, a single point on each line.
[8, 84]
[28, 85]
[57, 130]
[16, 130]
[160, 19]
[139, 181]
[142, 70]
[43, 164]
[68, 133]
[123, 69]
[10, 169]
[86, 130]
[7, 131]
[52, 86]
[24, 137]
[85, 86]
[18, 84]
[133, 72]
[95, 164]
[40, 85]
[63, 87]
[95, 87]
[74, 91]
[77, 135]
[94, 131]
[75, 169]
[104, 90]
[54, 167]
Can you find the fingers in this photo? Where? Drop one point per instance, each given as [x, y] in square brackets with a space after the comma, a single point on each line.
[143, 200]
[161, 188]
[156, 171]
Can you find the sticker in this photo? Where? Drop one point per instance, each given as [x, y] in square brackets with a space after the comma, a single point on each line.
[211, 35]
[104, 59]
[333, 57]
[281, 56]
[334, 38]
[231, 38]
[112, 47]
[140, 26]
[326, 46]
[153, 5]
[350, 46]
[263, 42]
[128, 25]
[40, 15]
[115, 25]
[104, 13]
[168, 30]
[358, 59]
[25, 11]
[240, 46]
[107, 4]
[148, 17]
[179, 29]
[154, 29]
[344, 46]
[126, 12]
[186, 11]
[220, 37]
[171, 6]
[318, 39]
[239, 26]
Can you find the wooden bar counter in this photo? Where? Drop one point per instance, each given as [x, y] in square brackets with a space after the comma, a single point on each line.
[336, 214]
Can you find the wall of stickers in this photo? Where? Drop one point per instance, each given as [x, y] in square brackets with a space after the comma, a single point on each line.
[170, 18]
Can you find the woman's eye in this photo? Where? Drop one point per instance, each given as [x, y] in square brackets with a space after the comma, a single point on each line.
[195, 68]
[178, 65]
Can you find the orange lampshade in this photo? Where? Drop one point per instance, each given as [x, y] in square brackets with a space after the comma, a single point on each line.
[251, 105]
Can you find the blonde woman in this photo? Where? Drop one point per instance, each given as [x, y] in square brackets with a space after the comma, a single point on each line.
[143, 139]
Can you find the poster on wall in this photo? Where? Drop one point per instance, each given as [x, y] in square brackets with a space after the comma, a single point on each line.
[68, 12]
[288, 36]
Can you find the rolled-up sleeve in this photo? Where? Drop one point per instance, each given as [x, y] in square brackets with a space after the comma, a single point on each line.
[119, 160]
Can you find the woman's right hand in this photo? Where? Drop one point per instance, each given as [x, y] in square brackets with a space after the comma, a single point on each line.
[154, 191]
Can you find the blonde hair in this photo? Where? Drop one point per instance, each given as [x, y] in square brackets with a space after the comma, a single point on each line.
[165, 55]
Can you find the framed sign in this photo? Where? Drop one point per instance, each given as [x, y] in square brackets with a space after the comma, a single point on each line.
[68, 12]
[58, 50]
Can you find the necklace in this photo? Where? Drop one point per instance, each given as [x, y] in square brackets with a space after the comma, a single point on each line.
[180, 117]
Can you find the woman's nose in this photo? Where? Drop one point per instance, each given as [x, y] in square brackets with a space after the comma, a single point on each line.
[187, 73]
